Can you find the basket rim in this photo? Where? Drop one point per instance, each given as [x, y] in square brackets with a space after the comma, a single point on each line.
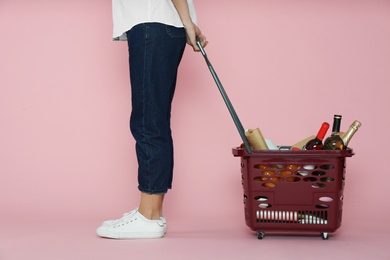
[237, 151]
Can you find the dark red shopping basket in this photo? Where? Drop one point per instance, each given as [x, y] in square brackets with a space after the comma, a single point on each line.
[287, 190]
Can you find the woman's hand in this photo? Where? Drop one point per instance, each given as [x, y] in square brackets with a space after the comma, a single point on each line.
[193, 31]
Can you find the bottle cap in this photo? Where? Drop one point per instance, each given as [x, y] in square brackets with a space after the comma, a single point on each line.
[324, 128]
[356, 124]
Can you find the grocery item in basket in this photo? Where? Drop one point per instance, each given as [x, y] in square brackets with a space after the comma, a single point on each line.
[286, 173]
[334, 142]
[300, 144]
[309, 167]
[351, 131]
[292, 166]
[271, 145]
[256, 139]
[316, 143]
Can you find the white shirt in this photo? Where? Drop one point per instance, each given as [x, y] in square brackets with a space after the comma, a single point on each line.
[128, 13]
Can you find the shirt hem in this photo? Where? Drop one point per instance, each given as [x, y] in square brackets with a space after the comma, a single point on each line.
[123, 35]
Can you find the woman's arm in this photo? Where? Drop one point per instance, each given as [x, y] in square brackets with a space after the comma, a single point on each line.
[192, 31]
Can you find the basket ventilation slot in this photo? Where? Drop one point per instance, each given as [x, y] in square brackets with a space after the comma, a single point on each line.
[292, 217]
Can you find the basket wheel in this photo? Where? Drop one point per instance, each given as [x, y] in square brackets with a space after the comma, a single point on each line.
[324, 236]
[260, 234]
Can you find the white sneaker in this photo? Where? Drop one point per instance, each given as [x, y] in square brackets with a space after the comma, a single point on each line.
[109, 222]
[132, 225]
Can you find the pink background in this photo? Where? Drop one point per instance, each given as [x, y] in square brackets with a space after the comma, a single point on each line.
[67, 158]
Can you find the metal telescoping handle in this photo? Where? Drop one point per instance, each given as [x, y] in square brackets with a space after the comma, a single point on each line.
[225, 98]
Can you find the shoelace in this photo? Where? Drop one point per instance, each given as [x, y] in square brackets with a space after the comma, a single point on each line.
[127, 219]
[131, 213]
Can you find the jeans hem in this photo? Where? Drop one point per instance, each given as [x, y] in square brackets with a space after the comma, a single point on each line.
[153, 192]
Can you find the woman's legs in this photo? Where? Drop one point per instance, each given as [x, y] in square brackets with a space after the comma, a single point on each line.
[155, 51]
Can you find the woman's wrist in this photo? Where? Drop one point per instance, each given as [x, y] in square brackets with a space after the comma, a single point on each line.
[187, 22]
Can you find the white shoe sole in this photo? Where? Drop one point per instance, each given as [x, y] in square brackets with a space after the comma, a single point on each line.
[128, 235]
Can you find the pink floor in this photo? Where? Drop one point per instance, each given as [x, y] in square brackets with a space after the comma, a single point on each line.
[198, 239]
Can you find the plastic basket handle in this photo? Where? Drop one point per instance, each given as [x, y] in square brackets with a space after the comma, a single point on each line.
[225, 98]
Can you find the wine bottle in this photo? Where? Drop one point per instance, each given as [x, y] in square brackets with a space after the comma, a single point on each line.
[351, 131]
[334, 142]
[316, 143]
[300, 144]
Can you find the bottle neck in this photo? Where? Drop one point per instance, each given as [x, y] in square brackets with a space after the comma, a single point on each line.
[324, 128]
[336, 124]
[351, 131]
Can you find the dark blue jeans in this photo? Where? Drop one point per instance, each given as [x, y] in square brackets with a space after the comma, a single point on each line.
[155, 51]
